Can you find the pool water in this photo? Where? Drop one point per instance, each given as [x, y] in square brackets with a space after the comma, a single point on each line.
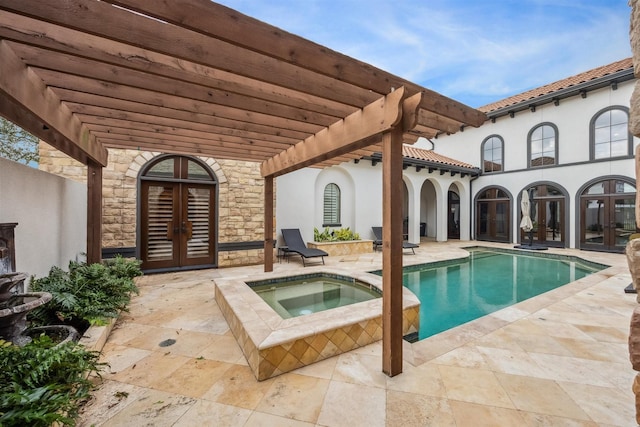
[292, 297]
[453, 293]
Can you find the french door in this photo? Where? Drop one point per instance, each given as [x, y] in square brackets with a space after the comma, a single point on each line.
[492, 219]
[607, 216]
[547, 215]
[177, 224]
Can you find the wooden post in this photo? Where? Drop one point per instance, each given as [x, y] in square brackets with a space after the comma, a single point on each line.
[268, 223]
[94, 212]
[392, 192]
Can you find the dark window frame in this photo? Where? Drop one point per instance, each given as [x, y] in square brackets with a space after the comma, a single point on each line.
[482, 151]
[592, 134]
[556, 145]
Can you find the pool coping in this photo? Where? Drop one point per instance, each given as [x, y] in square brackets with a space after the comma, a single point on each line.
[273, 345]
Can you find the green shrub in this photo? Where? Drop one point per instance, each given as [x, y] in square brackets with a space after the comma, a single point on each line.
[41, 383]
[341, 235]
[87, 294]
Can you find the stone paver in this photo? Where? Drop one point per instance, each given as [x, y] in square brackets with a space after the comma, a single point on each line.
[558, 359]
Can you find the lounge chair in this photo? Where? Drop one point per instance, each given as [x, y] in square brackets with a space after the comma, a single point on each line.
[294, 243]
[377, 232]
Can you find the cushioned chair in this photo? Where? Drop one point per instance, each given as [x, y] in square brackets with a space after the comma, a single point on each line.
[377, 232]
[294, 243]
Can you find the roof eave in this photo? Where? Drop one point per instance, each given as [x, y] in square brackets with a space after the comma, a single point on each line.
[582, 88]
[426, 164]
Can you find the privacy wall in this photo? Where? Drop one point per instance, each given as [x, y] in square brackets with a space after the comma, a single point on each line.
[51, 213]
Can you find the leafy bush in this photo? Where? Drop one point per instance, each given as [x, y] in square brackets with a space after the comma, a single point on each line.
[341, 235]
[41, 383]
[87, 294]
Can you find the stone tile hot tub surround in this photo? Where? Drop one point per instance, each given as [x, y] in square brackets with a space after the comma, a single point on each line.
[273, 345]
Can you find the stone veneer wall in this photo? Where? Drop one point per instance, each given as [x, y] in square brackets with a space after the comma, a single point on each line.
[633, 248]
[240, 199]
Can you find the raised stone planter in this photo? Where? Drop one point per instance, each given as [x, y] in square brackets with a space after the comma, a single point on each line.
[95, 337]
[349, 247]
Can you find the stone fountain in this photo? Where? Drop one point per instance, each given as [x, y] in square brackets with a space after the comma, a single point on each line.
[15, 304]
[14, 307]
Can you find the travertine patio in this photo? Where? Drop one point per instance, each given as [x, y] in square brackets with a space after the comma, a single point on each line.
[557, 359]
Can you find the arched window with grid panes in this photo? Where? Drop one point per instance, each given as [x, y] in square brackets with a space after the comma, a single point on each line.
[609, 134]
[543, 145]
[492, 154]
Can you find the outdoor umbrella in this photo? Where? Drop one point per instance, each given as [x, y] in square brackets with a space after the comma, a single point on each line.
[525, 206]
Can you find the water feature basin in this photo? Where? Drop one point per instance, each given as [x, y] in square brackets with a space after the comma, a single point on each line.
[14, 307]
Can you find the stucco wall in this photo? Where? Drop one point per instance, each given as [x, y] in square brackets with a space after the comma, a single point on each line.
[51, 213]
[572, 118]
[300, 202]
[300, 193]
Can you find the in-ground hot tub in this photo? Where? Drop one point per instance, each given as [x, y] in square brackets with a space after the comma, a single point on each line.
[312, 293]
[274, 345]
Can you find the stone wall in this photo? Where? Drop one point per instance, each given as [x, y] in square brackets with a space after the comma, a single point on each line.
[240, 199]
[633, 246]
[634, 37]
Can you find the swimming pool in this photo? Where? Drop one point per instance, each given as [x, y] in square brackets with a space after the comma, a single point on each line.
[302, 295]
[455, 292]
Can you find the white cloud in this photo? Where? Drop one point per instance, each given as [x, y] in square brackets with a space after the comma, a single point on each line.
[473, 51]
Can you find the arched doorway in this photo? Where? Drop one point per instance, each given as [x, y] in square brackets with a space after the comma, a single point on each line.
[453, 215]
[177, 214]
[429, 210]
[547, 215]
[493, 208]
[607, 214]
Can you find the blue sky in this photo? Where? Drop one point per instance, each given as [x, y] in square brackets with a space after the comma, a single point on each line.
[474, 51]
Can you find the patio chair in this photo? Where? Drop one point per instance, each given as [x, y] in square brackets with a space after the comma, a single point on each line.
[377, 232]
[294, 243]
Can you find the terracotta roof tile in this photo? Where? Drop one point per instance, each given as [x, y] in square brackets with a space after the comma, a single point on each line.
[432, 156]
[559, 85]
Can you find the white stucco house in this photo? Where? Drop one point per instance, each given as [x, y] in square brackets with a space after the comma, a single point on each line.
[566, 143]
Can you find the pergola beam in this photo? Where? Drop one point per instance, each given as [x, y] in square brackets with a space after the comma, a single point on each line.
[125, 60]
[218, 21]
[188, 137]
[25, 89]
[104, 20]
[342, 137]
[195, 77]
[100, 105]
[97, 74]
[175, 127]
[168, 146]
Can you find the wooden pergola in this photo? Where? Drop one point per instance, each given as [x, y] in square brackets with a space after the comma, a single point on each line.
[197, 78]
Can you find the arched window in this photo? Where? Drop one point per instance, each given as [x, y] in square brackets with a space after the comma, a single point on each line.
[492, 154]
[331, 210]
[543, 145]
[610, 135]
